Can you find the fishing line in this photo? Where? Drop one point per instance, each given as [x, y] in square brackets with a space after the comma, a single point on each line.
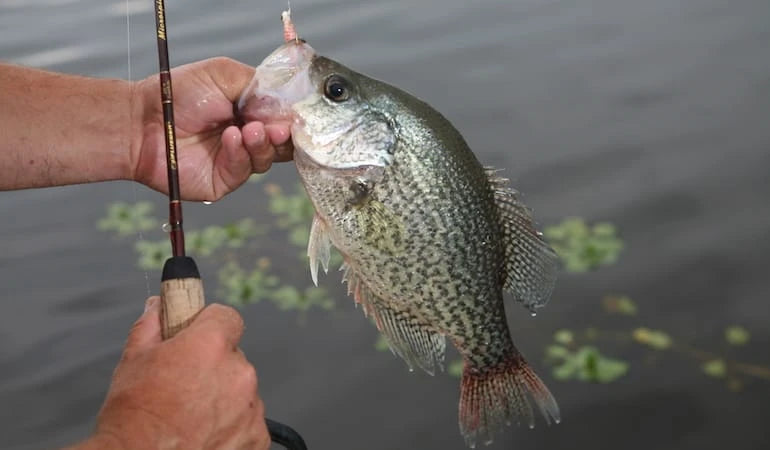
[131, 124]
[181, 287]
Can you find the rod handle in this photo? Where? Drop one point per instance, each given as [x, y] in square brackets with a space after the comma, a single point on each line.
[181, 294]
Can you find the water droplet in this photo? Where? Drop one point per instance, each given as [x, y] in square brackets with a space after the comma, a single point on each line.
[166, 227]
[206, 202]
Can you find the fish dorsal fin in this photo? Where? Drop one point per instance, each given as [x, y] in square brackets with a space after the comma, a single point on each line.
[530, 263]
[318, 248]
[407, 337]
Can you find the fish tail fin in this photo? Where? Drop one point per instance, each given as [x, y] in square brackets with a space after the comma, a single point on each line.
[495, 396]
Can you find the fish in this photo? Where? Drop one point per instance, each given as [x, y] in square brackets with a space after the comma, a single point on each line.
[430, 238]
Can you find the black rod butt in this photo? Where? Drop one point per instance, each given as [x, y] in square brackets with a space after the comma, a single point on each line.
[179, 267]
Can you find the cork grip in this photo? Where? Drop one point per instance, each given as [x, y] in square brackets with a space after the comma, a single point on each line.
[181, 300]
[181, 293]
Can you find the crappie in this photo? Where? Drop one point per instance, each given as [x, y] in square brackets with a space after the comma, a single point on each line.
[430, 238]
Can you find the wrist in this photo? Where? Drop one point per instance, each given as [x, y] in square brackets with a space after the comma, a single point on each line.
[137, 106]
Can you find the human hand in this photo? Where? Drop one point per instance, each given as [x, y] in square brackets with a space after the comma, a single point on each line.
[193, 391]
[214, 155]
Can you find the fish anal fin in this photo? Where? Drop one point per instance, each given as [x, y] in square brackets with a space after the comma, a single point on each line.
[407, 336]
[412, 341]
[318, 248]
[530, 263]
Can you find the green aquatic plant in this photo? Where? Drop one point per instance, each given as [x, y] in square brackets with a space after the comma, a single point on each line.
[292, 210]
[736, 335]
[152, 254]
[125, 219]
[574, 355]
[582, 247]
[455, 368]
[619, 304]
[585, 363]
[239, 287]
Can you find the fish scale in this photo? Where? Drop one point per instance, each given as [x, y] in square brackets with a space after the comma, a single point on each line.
[430, 238]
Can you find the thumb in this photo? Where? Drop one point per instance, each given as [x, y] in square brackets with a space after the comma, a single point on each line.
[229, 75]
[146, 330]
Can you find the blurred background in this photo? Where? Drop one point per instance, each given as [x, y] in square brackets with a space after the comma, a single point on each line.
[637, 131]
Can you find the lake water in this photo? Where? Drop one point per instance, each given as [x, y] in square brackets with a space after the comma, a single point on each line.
[652, 115]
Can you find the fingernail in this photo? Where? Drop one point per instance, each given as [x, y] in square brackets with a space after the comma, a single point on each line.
[150, 303]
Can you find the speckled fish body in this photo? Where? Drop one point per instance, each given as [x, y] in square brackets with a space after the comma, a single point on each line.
[430, 237]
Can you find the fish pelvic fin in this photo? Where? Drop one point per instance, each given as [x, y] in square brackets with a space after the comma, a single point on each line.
[318, 248]
[530, 263]
[407, 336]
[498, 395]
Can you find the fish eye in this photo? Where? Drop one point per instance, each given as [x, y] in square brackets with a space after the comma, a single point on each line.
[336, 89]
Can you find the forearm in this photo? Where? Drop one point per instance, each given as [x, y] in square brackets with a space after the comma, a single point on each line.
[58, 129]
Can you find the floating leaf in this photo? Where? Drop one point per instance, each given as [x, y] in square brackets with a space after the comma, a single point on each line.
[382, 343]
[152, 254]
[619, 305]
[736, 335]
[656, 339]
[609, 369]
[299, 235]
[238, 287]
[556, 352]
[126, 219]
[715, 368]
[567, 370]
[205, 242]
[256, 178]
[237, 233]
[582, 247]
[289, 298]
[455, 368]
[563, 337]
[588, 364]
[290, 210]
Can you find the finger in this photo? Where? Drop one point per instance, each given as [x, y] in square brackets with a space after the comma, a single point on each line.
[258, 146]
[146, 330]
[217, 322]
[233, 164]
[279, 134]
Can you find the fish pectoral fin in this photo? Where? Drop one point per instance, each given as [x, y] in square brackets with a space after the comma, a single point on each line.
[318, 248]
[407, 336]
[530, 263]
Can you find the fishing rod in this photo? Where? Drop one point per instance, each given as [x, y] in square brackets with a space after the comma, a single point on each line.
[181, 288]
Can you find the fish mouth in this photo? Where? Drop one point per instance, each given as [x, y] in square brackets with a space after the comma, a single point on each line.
[281, 80]
[307, 164]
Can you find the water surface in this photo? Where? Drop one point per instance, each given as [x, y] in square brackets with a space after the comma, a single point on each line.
[651, 115]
